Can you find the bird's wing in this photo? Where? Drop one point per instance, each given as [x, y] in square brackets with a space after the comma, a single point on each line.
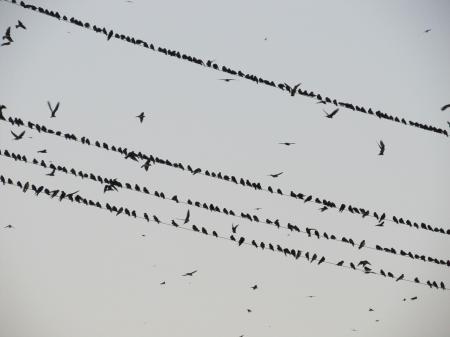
[334, 112]
[49, 106]
[445, 107]
[382, 144]
[16, 136]
[56, 107]
[21, 134]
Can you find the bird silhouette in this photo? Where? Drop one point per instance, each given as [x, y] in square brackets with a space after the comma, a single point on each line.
[146, 165]
[294, 89]
[141, 117]
[163, 282]
[276, 175]
[287, 143]
[18, 137]
[332, 114]
[445, 107]
[53, 110]
[7, 35]
[414, 298]
[233, 228]
[9, 226]
[190, 273]
[42, 151]
[340, 263]
[382, 148]
[254, 287]
[226, 79]
[362, 244]
[174, 223]
[51, 174]
[427, 30]
[20, 25]
[186, 219]
[241, 241]
[370, 309]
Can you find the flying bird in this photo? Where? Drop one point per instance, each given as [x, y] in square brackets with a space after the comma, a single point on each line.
[53, 110]
[445, 107]
[276, 175]
[287, 143]
[226, 79]
[18, 137]
[20, 25]
[190, 273]
[146, 165]
[233, 228]
[163, 282]
[332, 114]
[141, 117]
[427, 30]
[255, 287]
[382, 148]
[186, 219]
[294, 89]
[414, 298]
[42, 151]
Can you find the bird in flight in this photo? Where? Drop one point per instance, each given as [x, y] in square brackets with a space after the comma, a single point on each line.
[141, 117]
[331, 115]
[186, 219]
[9, 226]
[445, 107]
[294, 89]
[51, 174]
[42, 151]
[53, 110]
[7, 35]
[382, 148]
[276, 175]
[427, 30]
[20, 25]
[163, 282]
[249, 310]
[190, 273]
[287, 143]
[227, 79]
[413, 298]
[370, 309]
[146, 165]
[254, 287]
[233, 228]
[18, 137]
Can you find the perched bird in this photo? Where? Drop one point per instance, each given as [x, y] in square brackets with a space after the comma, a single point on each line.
[53, 110]
[382, 148]
[241, 241]
[276, 175]
[141, 117]
[18, 137]
[20, 25]
[255, 287]
[42, 151]
[362, 244]
[445, 107]
[186, 219]
[332, 114]
[340, 263]
[287, 143]
[190, 273]
[226, 79]
[323, 209]
[174, 223]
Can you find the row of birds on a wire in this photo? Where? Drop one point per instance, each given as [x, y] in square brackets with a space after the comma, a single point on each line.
[148, 160]
[109, 33]
[294, 253]
[114, 184]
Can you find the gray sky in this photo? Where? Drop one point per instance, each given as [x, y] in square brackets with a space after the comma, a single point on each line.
[67, 270]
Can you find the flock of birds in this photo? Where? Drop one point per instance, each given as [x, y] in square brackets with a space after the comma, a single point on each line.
[113, 184]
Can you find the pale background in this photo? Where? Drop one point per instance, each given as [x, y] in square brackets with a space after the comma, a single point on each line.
[67, 270]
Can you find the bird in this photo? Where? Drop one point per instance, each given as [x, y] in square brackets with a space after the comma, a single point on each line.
[362, 244]
[370, 309]
[241, 241]
[6, 43]
[174, 223]
[190, 273]
[294, 89]
[382, 148]
[20, 25]
[141, 117]
[7, 35]
[249, 310]
[163, 282]
[311, 296]
[445, 107]
[18, 137]
[427, 30]
[53, 110]
[255, 287]
[331, 115]
[340, 263]
[323, 209]
[51, 174]
[226, 79]
[287, 143]
[233, 228]
[186, 219]
[146, 165]
[414, 298]
[9, 226]
[276, 175]
[42, 151]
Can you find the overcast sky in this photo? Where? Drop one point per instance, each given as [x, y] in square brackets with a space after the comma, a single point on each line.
[68, 270]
